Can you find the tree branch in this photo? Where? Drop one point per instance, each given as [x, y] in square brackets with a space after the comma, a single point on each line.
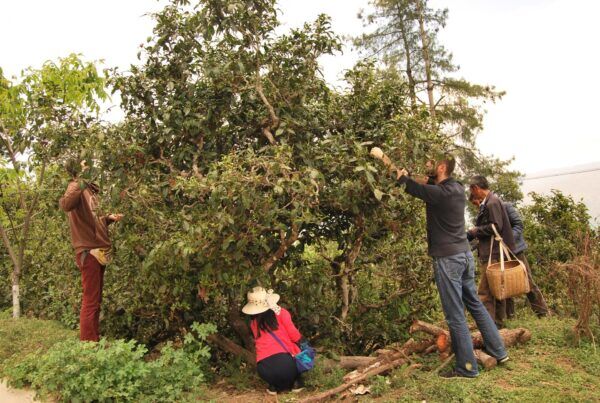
[8, 246]
[267, 127]
[15, 163]
[283, 247]
[28, 217]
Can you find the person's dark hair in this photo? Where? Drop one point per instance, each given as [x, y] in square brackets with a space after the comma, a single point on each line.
[265, 321]
[73, 167]
[479, 181]
[450, 163]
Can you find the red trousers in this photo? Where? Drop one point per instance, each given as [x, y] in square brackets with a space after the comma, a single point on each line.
[92, 281]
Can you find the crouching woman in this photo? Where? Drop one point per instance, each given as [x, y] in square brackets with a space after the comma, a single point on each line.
[276, 339]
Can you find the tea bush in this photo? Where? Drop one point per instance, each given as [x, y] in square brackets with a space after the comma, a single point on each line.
[115, 370]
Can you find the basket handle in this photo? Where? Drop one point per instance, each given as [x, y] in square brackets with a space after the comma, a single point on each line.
[504, 249]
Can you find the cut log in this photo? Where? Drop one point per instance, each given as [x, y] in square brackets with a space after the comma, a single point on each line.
[511, 337]
[442, 335]
[487, 361]
[442, 342]
[229, 346]
[420, 326]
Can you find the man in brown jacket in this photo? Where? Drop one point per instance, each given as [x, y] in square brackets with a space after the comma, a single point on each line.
[491, 212]
[89, 236]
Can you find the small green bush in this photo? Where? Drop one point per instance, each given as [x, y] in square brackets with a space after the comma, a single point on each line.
[115, 370]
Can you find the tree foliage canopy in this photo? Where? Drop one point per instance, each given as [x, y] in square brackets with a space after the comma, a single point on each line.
[236, 164]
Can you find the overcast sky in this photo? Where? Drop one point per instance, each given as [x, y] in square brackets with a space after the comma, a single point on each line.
[544, 53]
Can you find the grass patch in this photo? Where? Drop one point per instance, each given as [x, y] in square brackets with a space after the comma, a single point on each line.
[23, 336]
[549, 368]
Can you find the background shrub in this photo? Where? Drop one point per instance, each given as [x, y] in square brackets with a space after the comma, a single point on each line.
[114, 370]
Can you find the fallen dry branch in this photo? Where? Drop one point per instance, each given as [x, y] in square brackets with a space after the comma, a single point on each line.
[381, 364]
[349, 362]
[372, 372]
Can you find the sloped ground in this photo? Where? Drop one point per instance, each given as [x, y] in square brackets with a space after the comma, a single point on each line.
[550, 368]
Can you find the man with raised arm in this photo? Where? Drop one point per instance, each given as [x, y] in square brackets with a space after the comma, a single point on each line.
[453, 264]
[89, 236]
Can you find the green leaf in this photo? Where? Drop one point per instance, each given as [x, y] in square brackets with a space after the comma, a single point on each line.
[378, 194]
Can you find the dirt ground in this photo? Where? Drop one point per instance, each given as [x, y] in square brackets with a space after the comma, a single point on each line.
[8, 395]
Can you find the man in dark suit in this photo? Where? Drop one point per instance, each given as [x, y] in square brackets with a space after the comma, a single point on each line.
[491, 213]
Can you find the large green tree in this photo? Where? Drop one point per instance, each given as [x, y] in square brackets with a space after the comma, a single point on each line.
[237, 164]
[41, 115]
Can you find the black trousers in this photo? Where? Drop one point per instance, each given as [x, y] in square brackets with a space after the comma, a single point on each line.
[279, 371]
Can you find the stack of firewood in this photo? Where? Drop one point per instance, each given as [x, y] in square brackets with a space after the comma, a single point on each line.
[387, 359]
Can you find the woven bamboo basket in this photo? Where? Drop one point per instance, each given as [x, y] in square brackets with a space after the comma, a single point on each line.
[506, 278]
[508, 281]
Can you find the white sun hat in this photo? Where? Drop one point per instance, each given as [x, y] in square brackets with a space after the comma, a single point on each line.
[260, 300]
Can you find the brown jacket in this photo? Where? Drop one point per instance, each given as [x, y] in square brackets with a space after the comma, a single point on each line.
[88, 231]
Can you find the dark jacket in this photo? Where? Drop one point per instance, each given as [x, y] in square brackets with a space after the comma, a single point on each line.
[445, 208]
[88, 231]
[516, 222]
[492, 212]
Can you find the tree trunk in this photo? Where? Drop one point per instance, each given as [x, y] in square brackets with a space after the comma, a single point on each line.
[16, 299]
[409, 74]
[350, 256]
[229, 346]
[16, 273]
[240, 327]
[345, 290]
[426, 59]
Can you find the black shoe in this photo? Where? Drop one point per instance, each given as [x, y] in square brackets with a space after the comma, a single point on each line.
[452, 373]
